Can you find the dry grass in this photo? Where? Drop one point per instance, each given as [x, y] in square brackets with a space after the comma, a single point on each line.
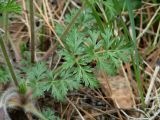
[87, 104]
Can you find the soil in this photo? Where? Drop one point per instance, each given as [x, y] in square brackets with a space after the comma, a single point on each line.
[17, 114]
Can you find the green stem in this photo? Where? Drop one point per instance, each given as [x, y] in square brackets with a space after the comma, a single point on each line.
[4, 51]
[135, 56]
[32, 44]
[5, 26]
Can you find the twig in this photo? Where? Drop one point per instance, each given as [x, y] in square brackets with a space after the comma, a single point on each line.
[69, 26]
[152, 83]
[64, 10]
[148, 25]
[89, 115]
[129, 85]
[148, 31]
[75, 108]
[148, 73]
[49, 12]
[57, 62]
[48, 24]
[75, 4]
[157, 35]
[25, 15]
[155, 115]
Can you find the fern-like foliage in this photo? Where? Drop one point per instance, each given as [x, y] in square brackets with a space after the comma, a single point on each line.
[85, 44]
[75, 63]
[49, 114]
[84, 48]
[40, 79]
[36, 76]
[9, 6]
[4, 76]
[88, 45]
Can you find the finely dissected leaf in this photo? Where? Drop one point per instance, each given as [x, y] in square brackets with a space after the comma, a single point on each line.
[74, 42]
[49, 114]
[92, 41]
[106, 66]
[4, 76]
[9, 6]
[84, 73]
[36, 77]
[60, 88]
[40, 79]
[56, 92]
[84, 20]
[89, 80]
[38, 72]
[69, 59]
[107, 42]
[59, 28]
[38, 88]
[87, 46]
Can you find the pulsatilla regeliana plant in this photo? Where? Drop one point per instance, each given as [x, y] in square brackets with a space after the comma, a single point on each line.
[86, 49]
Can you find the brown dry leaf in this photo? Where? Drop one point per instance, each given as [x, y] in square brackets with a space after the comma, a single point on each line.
[119, 90]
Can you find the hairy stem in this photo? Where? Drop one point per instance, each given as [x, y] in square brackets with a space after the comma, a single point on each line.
[4, 51]
[32, 42]
[5, 26]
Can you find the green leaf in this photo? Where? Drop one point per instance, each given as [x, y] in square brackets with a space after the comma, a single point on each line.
[36, 78]
[106, 66]
[38, 72]
[69, 59]
[4, 76]
[74, 42]
[22, 88]
[60, 88]
[9, 6]
[84, 73]
[107, 42]
[49, 114]
[37, 87]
